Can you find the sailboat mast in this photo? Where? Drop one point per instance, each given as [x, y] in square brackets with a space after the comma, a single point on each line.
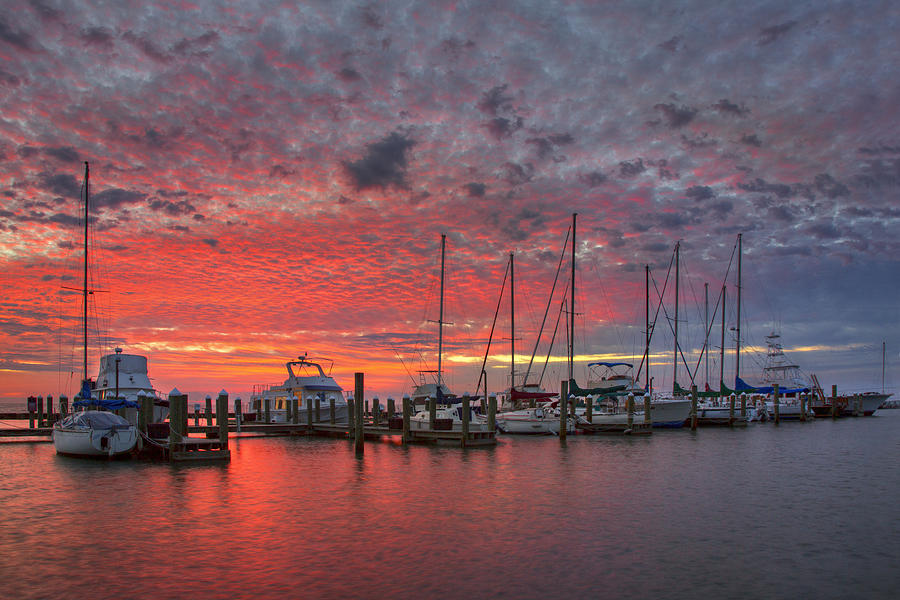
[722, 349]
[441, 312]
[84, 291]
[572, 309]
[647, 326]
[675, 354]
[737, 347]
[512, 321]
[706, 326]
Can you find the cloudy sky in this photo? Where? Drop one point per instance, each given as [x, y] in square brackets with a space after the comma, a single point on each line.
[273, 178]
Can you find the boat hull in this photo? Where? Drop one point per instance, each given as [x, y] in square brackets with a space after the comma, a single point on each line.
[94, 442]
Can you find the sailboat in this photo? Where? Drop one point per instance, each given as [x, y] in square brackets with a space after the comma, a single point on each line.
[89, 432]
[532, 419]
[438, 392]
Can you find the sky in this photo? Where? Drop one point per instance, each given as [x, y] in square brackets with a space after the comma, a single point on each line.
[272, 179]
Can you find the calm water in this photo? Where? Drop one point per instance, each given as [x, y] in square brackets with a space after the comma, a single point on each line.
[795, 511]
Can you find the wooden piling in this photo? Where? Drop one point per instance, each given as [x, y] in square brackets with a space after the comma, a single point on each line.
[563, 409]
[694, 407]
[31, 404]
[49, 410]
[358, 390]
[731, 410]
[629, 407]
[351, 416]
[432, 412]
[222, 418]
[775, 400]
[289, 409]
[834, 412]
[391, 408]
[145, 412]
[295, 407]
[309, 412]
[376, 411]
[40, 411]
[589, 408]
[63, 405]
[648, 418]
[238, 415]
[196, 415]
[492, 412]
[176, 433]
[332, 418]
[209, 417]
[406, 415]
[803, 407]
[318, 409]
[465, 422]
[268, 410]
[744, 407]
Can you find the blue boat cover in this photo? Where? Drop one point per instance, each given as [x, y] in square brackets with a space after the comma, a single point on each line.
[742, 386]
[105, 404]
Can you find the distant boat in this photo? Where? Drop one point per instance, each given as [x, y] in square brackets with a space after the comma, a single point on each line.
[309, 382]
[90, 432]
[447, 418]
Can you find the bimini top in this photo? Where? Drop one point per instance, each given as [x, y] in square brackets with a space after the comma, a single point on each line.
[610, 364]
[110, 404]
[95, 419]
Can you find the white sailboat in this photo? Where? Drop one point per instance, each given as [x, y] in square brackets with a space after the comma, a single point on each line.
[92, 433]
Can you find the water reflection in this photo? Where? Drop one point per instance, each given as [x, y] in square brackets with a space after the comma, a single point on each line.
[745, 513]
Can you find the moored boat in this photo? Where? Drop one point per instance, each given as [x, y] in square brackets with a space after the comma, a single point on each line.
[94, 433]
[308, 383]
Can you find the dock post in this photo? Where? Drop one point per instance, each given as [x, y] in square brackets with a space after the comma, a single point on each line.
[63, 406]
[367, 414]
[268, 410]
[694, 407]
[331, 415]
[803, 407]
[391, 407]
[40, 411]
[492, 412]
[629, 406]
[295, 407]
[731, 400]
[289, 410]
[648, 419]
[175, 420]
[309, 413]
[259, 408]
[31, 404]
[376, 411]
[238, 415]
[358, 393]
[318, 409]
[589, 408]
[183, 414]
[145, 412]
[834, 402]
[776, 402]
[222, 418]
[744, 406]
[465, 421]
[432, 413]
[563, 409]
[406, 414]
[208, 411]
[196, 415]
[49, 410]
